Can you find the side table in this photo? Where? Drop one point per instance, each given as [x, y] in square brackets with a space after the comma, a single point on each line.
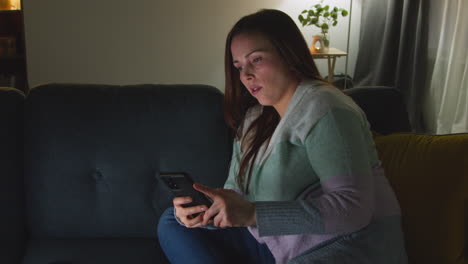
[331, 56]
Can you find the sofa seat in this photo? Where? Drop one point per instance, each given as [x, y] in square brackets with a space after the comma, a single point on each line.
[92, 250]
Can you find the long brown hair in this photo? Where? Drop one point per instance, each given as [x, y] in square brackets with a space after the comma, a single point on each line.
[282, 32]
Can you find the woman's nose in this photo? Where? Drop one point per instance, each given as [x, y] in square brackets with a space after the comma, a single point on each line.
[247, 72]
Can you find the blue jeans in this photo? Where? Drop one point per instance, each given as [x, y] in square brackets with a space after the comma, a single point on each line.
[200, 245]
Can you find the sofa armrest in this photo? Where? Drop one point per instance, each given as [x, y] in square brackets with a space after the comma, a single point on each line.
[12, 220]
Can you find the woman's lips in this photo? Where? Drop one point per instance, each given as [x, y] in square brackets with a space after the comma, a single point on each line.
[255, 89]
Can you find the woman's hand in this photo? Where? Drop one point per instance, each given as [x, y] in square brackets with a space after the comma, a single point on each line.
[228, 208]
[185, 214]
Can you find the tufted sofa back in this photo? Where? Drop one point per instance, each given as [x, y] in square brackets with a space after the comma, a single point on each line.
[384, 107]
[92, 153]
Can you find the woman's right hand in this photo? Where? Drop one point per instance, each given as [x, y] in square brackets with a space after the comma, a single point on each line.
[185, 214]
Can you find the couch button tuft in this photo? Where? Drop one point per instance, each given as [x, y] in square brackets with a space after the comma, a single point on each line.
[97, 175]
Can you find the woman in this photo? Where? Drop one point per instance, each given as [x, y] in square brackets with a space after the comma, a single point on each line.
[305, 179]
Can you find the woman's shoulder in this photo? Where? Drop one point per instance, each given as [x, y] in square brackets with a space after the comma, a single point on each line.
[317, 100]
[321, 97]
[319, 94]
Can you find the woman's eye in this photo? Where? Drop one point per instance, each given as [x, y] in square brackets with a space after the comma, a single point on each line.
[257, 59]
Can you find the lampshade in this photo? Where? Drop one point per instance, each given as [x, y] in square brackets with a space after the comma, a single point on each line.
[16, 4]
[10, 4]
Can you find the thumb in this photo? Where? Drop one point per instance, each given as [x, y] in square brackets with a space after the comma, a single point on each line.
[210, 192]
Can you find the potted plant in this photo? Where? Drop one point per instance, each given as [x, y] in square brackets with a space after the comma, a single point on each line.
[322, 17]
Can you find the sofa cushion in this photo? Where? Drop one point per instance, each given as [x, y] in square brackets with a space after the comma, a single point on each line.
[430, 177]
[93, 251]
[92, 153]
[12, 220]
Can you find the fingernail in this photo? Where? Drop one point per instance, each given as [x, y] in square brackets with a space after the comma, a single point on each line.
[203, 208]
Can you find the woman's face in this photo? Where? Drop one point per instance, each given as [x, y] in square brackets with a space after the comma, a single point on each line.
[263, 72]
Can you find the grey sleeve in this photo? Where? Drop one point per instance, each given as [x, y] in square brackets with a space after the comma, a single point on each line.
[287, 218]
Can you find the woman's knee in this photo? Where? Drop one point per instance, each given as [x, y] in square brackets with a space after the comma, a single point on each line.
[166, 221]
[167, 215]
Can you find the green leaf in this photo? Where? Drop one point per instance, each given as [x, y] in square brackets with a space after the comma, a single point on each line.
[300, 18]
[304, 11]
[314, 20]
[334, 23]
[326, 14]
[311, 13]
[335, 9]
[324, 26]
[334, 16]
[344, 13]
[318, 6]
[326, 7]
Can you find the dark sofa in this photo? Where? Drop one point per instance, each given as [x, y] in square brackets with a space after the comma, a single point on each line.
[78, 164]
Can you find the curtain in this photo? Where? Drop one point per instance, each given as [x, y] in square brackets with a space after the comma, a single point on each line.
[393, 50]
[446, 102]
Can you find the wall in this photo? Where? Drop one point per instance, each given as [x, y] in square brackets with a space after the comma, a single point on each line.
[338, 35]
[144, 41]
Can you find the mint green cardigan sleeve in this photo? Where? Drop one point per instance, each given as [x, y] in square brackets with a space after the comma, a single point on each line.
[233, 168]
[338, 148]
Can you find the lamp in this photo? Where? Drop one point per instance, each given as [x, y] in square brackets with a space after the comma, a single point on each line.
[347, 45]
[10, 4]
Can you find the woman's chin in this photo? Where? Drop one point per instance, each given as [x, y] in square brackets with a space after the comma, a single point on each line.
[263, 102]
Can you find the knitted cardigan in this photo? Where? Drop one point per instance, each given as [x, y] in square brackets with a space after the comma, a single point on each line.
[319, 182]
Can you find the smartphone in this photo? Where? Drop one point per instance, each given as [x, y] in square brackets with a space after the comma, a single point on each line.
[180, 184]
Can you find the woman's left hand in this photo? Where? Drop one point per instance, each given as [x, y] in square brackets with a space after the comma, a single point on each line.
[229, 209]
